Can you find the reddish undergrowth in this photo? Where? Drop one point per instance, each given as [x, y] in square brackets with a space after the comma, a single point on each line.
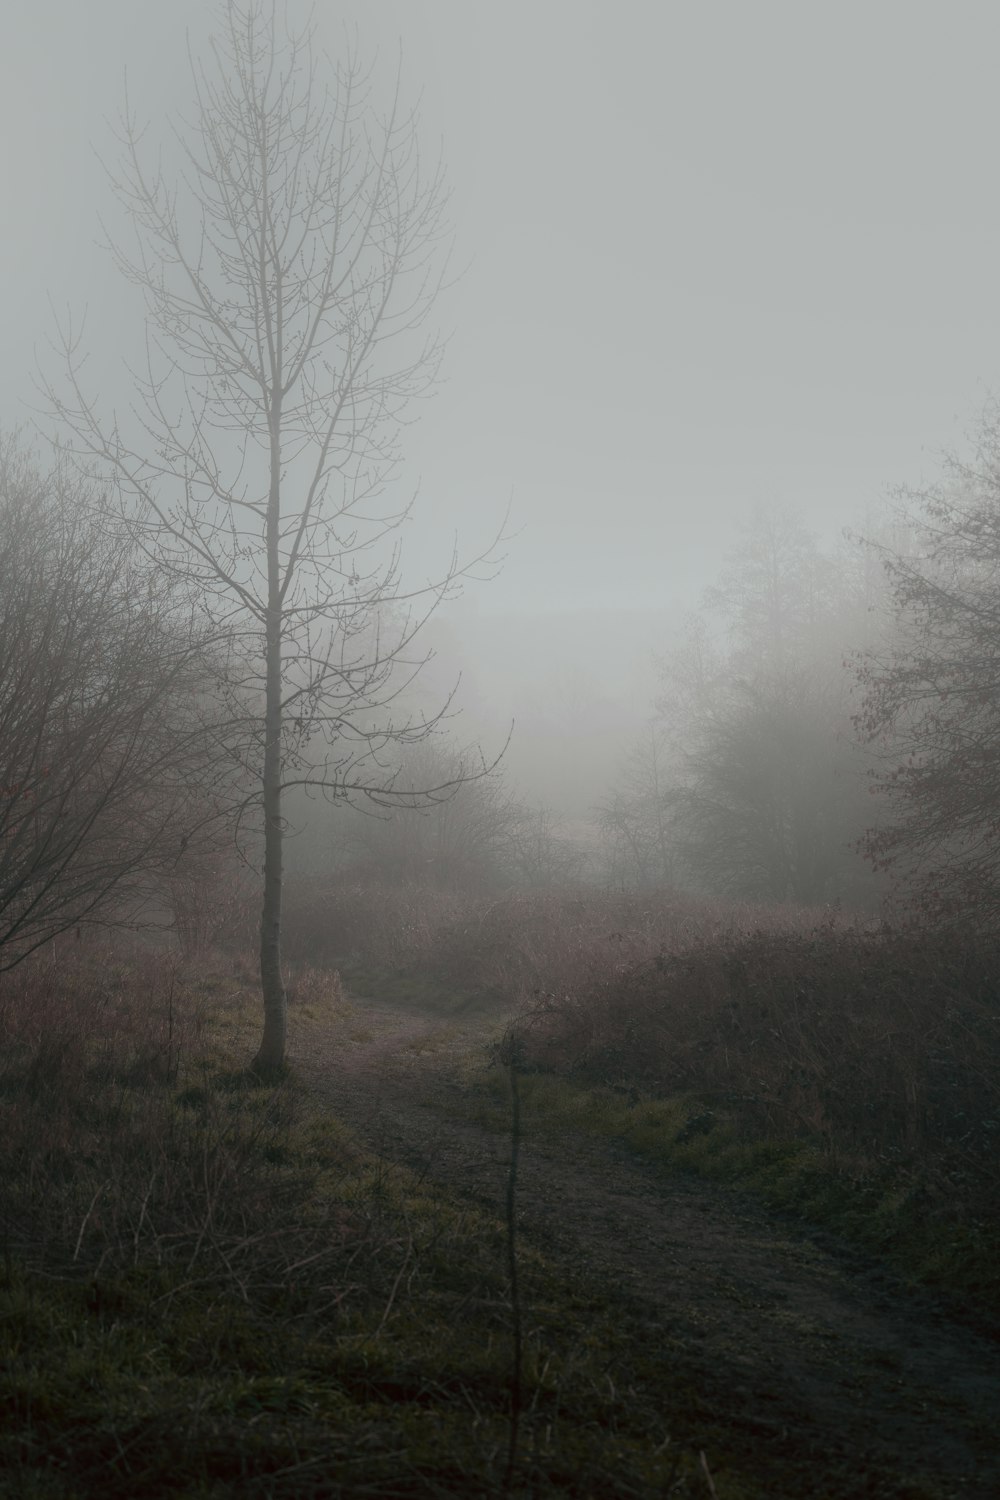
[516, 945]
[880, 1046]
[126, 1132]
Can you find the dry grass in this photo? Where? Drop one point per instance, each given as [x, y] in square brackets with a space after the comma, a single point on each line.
[883, 1045]
[206, 1287]
[128, 1138]
[877, 1052]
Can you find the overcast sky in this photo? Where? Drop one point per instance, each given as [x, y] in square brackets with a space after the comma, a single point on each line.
[720, 253]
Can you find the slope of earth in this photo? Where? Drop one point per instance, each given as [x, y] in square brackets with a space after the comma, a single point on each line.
[797, 1364]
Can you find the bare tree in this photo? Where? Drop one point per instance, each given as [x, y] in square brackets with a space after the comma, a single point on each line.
[287, 277]
[635, 819]
[931, 709]
[102, 730]
[458, 838]
[773, 796]
[748, 782]
[475, 837]
[540, 851]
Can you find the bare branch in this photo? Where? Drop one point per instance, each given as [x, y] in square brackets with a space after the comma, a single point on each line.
[288, 270]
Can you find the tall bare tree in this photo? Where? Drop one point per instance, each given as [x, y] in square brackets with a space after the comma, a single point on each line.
[773, 794]
[635, 819]
[288, 270]
[750, 783]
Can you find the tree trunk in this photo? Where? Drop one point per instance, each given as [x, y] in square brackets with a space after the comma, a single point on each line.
[271, 1055]
[270, 1058]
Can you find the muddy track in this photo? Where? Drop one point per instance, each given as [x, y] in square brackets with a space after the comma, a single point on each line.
[798, 1347]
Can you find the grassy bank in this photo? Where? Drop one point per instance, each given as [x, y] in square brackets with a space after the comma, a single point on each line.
[852, 1077]
[207, 1288]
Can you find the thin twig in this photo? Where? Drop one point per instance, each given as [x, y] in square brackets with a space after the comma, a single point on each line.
[395, 1287]
[517, 1352]
[86, 1218]
[708, 1475]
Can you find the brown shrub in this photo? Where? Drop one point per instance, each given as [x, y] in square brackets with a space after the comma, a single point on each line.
[883, 1045]
[366, 923]
[516, 946]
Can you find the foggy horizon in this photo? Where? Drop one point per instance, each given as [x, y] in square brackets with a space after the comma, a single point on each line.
[499, 817]
[705, 270]
[711, 260]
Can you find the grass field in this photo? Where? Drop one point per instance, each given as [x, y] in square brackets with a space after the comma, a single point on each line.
[209, 1287]
[848, 1073]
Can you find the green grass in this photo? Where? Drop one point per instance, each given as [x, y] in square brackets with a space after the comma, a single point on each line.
[208, 1288]
[392, 1371]
[882, 1210]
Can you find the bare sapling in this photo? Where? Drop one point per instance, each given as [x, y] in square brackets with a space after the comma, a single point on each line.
[288, 267]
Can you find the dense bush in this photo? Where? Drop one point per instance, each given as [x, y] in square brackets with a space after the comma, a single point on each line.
[514, 946]
[885, 1046]
[109, 768]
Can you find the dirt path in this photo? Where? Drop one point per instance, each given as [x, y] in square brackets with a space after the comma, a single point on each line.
[798, 1348]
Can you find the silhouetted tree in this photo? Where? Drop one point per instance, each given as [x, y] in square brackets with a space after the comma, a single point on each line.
[759, 791]
[106, 771]
[287, 280]
[636, 819]
[540, 852]
[931, 708]
[457, 838]
[773, 797]
[474, 836]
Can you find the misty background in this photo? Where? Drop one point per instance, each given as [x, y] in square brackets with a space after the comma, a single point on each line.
[712, 258]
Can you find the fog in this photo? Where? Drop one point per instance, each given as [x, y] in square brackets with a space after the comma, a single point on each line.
[708, 258]
[500, 613]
